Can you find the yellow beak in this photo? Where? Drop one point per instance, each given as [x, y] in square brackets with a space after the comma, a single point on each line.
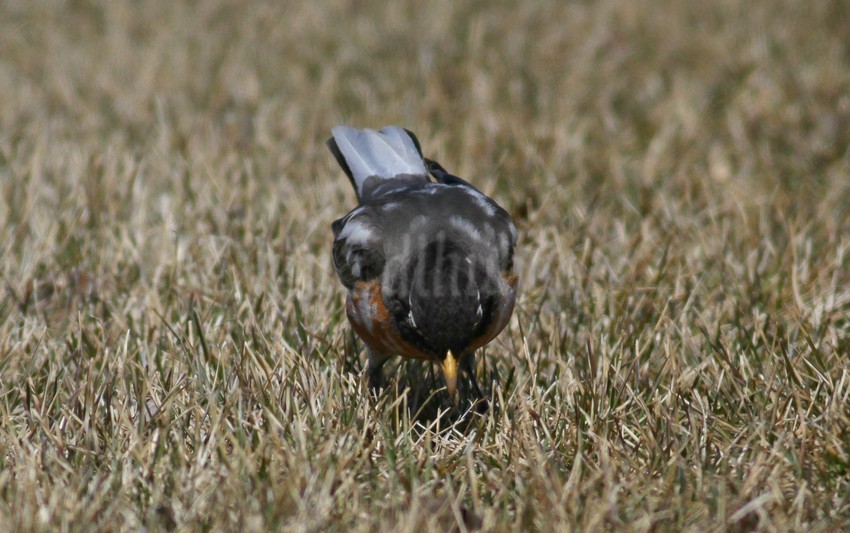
[449, 366]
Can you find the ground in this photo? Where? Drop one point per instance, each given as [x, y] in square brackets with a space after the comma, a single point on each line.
[173, 346]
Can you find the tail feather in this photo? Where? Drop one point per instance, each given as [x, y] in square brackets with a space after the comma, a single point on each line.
[387, 153]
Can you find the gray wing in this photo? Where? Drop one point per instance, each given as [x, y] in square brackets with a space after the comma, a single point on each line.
[358, 249]
[485, 221]
[495, 223]
[408, 210]
[423, 212]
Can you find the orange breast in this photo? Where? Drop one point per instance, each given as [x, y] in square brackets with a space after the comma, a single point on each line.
[372, 322]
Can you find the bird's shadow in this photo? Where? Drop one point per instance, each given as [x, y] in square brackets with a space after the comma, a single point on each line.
[415, 391]
[422, 388]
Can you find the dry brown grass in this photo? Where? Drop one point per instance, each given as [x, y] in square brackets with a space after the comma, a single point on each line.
[173, 349]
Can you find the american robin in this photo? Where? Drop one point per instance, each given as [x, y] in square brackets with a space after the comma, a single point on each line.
[428, 264]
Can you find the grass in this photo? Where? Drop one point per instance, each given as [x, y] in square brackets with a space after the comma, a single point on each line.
[173, 346]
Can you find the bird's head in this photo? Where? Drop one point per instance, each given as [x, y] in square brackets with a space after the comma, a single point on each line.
[450, 297]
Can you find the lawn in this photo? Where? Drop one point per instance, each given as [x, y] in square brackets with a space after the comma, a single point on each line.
[174, 352]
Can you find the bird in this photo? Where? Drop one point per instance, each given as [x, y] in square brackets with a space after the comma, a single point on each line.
[427, 258]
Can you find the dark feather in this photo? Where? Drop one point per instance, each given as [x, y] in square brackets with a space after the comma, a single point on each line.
[355, 262]
[331, 143]
[442, 176]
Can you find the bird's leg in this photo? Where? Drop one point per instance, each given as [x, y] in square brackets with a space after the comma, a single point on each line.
[373, 372]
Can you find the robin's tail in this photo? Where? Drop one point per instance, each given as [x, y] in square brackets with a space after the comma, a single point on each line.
[387, 153]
